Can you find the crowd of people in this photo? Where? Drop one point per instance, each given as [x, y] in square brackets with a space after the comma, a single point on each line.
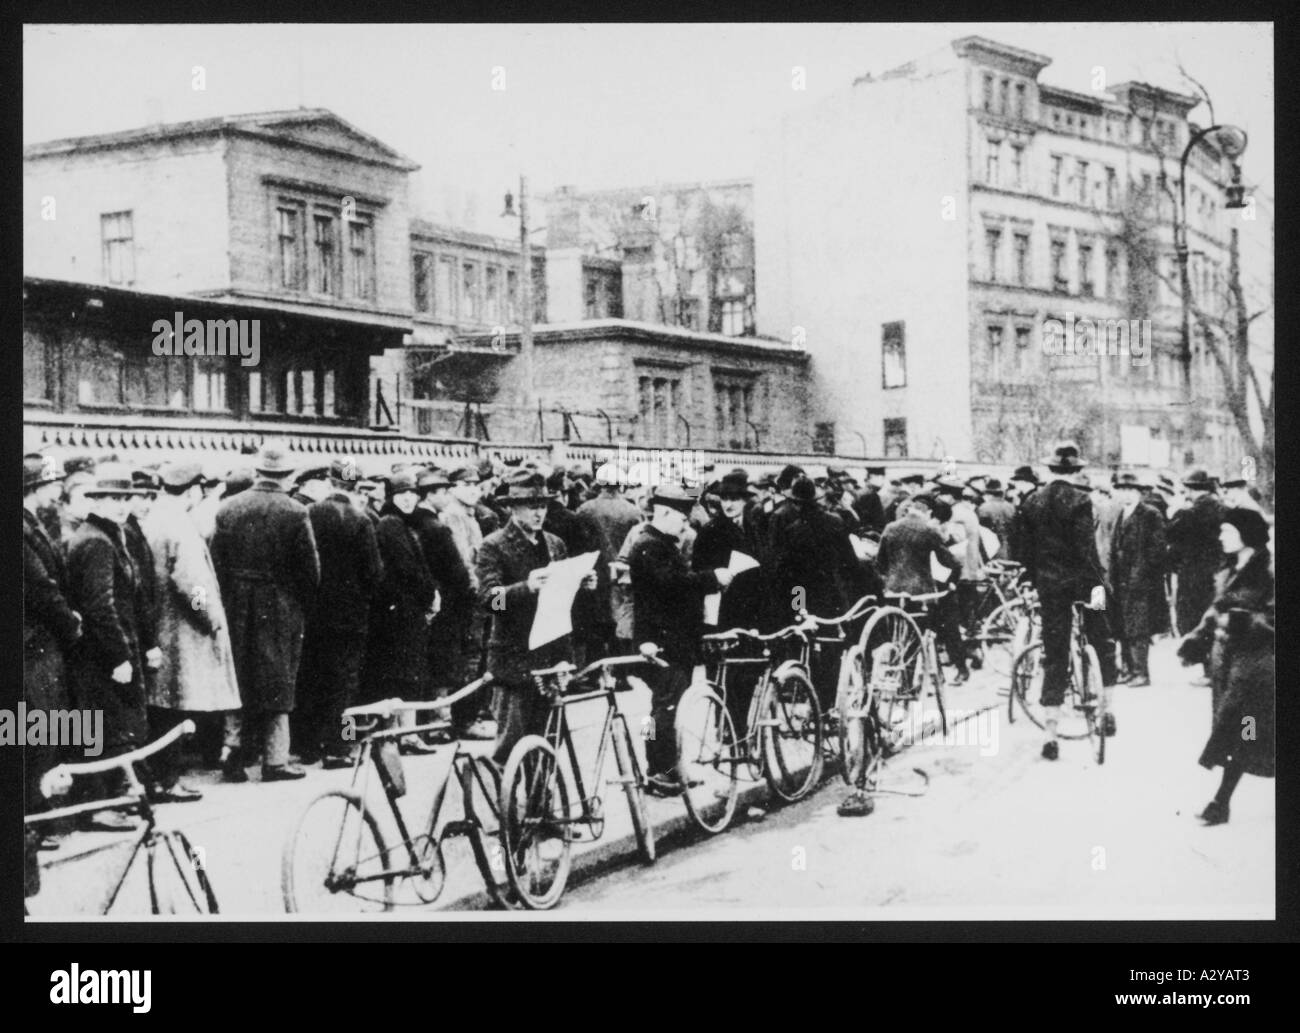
[269, 599]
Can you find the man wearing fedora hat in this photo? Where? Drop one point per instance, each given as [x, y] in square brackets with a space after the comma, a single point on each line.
[607, 519]
[1055, 539]
[107, 669]
[264, 552]
[511, 572]
[668, 611]
[1195, 553]
[868, 504]
[51, 627]
[996, 513]
[1136, 569]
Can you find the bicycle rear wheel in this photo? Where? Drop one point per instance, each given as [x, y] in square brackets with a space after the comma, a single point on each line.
[853, 703]
[791, 734]
[181, 887]
[998, 637]
[535, 823]
[935, 673]
[892, 649]
[629, 773]
[706, 751]
[481, 790]
[1095, 698]
[336, 859]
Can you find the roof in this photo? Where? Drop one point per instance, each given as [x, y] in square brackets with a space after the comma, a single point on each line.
[592, 329]
[438, 231]
[271, 124]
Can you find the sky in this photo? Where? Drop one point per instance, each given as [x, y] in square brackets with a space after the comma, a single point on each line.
[588, 105]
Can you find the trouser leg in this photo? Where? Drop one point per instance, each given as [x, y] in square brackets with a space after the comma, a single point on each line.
[1139, 650]
[666, 687]
[1231, 776]
[339, 684]
[948, 631]
[275, 738]
[520, 710]
[1055, 608]
[165, 767]
[1096, 629]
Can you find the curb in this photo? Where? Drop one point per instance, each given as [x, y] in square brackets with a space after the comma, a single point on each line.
[675, 832]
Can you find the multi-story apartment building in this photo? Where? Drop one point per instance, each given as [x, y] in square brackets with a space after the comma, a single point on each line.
[934, 235]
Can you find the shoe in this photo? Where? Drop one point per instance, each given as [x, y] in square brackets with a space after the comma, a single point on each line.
[1200, 683]
[960, 678]
[1108, 724]
[335, 761]
[282, 773]
[414, 745]
[483, 731]
[1139, 682]
[1051, 750]
[856, 805]
[664, 785]
[1215, 813]
[233, 772]
[1124, 677]
[111, 821]
[51, 841]
[176, 794]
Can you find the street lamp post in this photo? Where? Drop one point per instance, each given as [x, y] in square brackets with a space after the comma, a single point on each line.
[525, 358]
[1232, 143]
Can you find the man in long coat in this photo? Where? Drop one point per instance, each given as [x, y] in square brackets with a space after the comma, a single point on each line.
[264, 553]
[1195, 551]
[607, 519]
[108, 665]
[197, 673]
[334, 645]
[1137, 565]
[51, 628]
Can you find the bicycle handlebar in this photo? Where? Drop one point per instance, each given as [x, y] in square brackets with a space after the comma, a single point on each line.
[649, 655]
[389, 707]
[924, 597]
[58, 781]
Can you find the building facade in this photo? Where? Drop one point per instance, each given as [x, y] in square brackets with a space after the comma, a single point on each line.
[963, 248]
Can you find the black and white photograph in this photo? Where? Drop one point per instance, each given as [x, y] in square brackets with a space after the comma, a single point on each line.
[648, 472]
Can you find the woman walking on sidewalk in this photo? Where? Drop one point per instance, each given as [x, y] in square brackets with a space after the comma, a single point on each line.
[1237, 636]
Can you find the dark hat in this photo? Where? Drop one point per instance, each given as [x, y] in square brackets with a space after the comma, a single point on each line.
[486, 469]
[875, 471]
[433, 477]
[836, 471]
[274, 459]
[75, 464]
[673, 496]
[146, 480]
[181, 475]
[1233, 481]
[787, 476]
[114, 479]
[992, 485]
[1198, 480]
[1065, 459]
[239, 479]
[1025, 473]
[1130, 480]
[402, 481]
[39, 470]
[929, 501]
[556, 480]
[912, 478]
[1250, 524]
[466, 474]
[949, 486]
[803, 490]
[767, 481]
[344, 473]
[524, 487]
[970, 481]
[312, 473]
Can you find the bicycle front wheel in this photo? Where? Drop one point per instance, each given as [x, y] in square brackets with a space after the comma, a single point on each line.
[336, 859]
[853, 705]
[791, 735]
[1095, 697]
[937, 681]
[535, 824]
[707, 757]
[180, 887]
[629, 773]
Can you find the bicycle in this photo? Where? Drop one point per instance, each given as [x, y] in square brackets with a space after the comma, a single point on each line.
[337, 859]
[178, 882]
[1001, 608]
[543, 794]
[784, 714]
[1083, 710]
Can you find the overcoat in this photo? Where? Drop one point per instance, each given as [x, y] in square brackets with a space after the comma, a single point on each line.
[811, 558]
[198, 663]
[1054, 537]
[1243, 665]
[398, 649]
[50, 626]
[1137, 563]
[667, 597]
[264, 552]
[1196, 557]
[103, 588]
[744, 602]
[350, 566]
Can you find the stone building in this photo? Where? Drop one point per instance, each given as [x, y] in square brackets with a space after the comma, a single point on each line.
[936, 233]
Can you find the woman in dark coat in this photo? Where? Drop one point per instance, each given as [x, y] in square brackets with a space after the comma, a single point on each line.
[1237, 636]
[397, 657]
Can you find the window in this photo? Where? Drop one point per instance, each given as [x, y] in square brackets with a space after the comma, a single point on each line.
[512, 296]
[361, 247]
[660, 404]
[421, 265]
[324, 254]
[614, 297]
[152, 382]
[1056, 175]
[1022, 258]
[592, 300]
[733, 402]
[444, 297]
[1017, 165]
[1004, 97]
[1060, 282]
[896, 438]
[995, 351]
[1085, 270]
[1112, 272]
[733, 317]
[688, 312]
[117, 234]
[1081, 181]
[988, 93]
[823, 442]
[307, 387]
[1020, 100]
[469, 297]
[1021, 361]
[289, 234]
[1112, 188]
[893, 353]
[992, 242]
[991, 168]
[492, 293]
[211, 374]
[39, 366]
